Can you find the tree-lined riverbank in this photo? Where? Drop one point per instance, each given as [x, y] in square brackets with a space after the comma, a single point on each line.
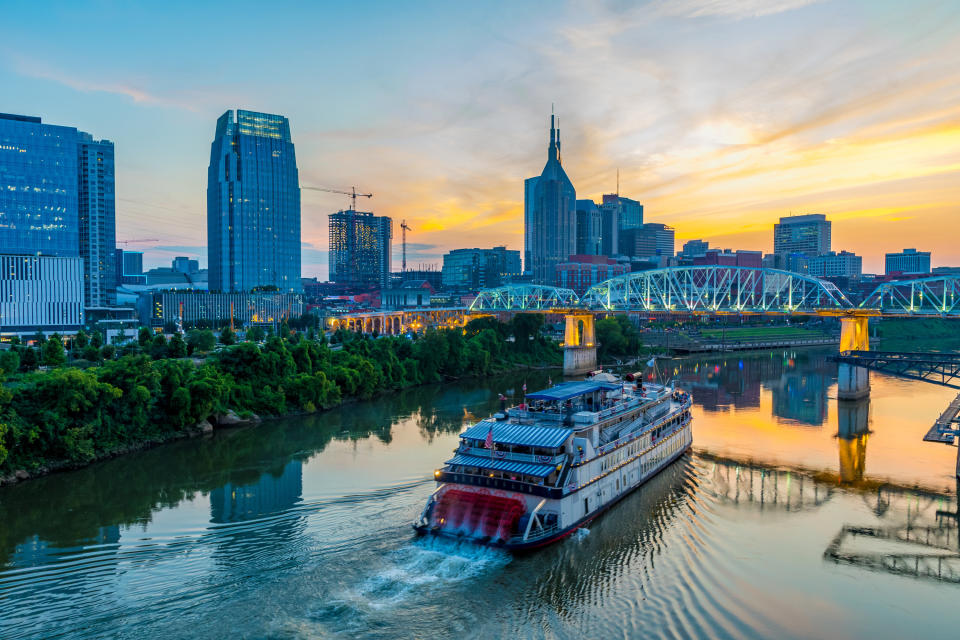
[69, 416]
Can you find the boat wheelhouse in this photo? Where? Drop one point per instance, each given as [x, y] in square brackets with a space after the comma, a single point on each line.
[533, 473]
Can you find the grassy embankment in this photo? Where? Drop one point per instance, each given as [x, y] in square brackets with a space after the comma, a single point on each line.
[735, 334]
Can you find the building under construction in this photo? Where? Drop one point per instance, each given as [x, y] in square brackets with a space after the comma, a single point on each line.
[360, 248]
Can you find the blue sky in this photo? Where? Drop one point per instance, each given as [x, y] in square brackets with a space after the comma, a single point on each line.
[721, 115]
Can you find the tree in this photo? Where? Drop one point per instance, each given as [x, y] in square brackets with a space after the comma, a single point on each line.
[108, 351]
[9, 362]
[53, 353]
[80, 341]
[227, 336]
[144, 337]
[254, 334]
[200, 340]
[177, 347]
[29, 360]
[158, 348]
[525, 326]
[96, 339]
[90, 353]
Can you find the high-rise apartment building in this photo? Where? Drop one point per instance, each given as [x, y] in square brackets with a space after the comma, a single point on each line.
[550, 215]
[650, 240]
[589, 225]
[907, 261]
[610, 226]
[479, 268]
[694, 248]
[98, 221]
[360, 252]
[836, 265]
[808, 234]
[253, 204]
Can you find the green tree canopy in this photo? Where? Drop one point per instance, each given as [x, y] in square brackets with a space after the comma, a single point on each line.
[53, 352]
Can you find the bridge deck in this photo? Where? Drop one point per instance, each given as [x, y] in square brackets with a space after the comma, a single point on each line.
[946, 422]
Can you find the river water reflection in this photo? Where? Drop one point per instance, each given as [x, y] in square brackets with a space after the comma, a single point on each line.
[796, 516]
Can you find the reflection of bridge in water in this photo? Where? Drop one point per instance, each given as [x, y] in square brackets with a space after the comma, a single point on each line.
[922, 542]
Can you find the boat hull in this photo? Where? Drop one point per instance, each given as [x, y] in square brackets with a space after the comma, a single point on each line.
[560, 534]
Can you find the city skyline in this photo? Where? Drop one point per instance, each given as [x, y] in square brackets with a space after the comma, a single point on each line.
[706, 129]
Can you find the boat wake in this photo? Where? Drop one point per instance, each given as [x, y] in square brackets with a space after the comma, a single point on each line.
[427, 563]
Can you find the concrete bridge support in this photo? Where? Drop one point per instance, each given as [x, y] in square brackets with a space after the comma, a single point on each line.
[579, 344]
[853, 382]
[853, 418]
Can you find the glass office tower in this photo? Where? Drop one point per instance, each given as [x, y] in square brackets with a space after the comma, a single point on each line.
[253, 204]
[39, 212]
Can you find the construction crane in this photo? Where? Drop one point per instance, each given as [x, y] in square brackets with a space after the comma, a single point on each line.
[138, 240]
[352, 193]
[404, 227]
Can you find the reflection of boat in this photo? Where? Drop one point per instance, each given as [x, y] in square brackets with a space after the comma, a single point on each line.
[534, 473]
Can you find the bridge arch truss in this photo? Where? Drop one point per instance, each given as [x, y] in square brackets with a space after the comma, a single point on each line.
[710, 289]
[934, 296]
[525, 297]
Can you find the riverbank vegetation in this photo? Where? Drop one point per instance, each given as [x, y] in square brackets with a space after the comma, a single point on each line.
[89, 402]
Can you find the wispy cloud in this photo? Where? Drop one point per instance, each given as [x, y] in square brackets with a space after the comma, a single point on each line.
[730, 8]
[128, 89]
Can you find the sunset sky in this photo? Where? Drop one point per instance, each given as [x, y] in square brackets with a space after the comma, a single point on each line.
[721, 115]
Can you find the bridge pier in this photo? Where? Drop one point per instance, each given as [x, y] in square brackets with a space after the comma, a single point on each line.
[579, 346]
[853, 382]
[853, 422]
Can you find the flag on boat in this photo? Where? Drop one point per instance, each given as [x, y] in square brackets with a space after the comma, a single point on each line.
[489, 442]
[651, 362]
[524, 387]
[549, 381]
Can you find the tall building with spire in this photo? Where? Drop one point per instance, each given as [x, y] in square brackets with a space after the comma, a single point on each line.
[550, 209]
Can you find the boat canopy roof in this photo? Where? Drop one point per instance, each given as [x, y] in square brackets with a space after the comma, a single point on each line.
[518, 434]
[567, 390]
[510, 466]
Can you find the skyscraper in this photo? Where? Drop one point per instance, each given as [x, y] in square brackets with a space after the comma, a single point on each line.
[360, 252]
[39, 209]
[253, 204]
[98, 221]
[589, 225]
[529, 195]
[550, 215]
[56, 201]
[808, 234]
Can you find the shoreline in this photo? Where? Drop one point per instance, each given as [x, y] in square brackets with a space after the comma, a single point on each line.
[229, 420]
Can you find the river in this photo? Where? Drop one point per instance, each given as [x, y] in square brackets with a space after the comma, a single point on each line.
[794, 517]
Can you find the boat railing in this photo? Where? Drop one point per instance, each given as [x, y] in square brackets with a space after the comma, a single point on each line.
[544, 491]
[523, 414]
[499, 454]
[543, 532]
[607, 447]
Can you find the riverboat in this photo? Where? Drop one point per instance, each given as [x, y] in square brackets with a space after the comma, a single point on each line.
[536, 472]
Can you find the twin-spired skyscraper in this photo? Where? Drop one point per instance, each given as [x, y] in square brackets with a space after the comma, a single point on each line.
[550, 210]
[253, 205]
